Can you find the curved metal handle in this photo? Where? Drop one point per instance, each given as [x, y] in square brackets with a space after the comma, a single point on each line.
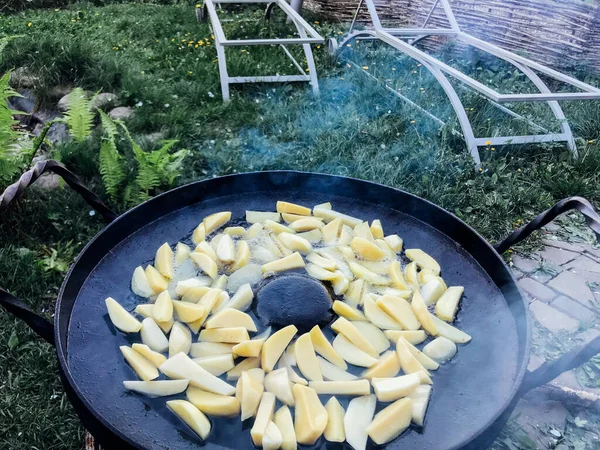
[581, 204]
[16, 190]
[550, 370]
[12, 304]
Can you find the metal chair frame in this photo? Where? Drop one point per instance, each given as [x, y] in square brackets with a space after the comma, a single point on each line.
[440, 70]
[307, 36]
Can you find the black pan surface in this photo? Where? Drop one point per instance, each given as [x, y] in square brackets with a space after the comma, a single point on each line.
[468, 393]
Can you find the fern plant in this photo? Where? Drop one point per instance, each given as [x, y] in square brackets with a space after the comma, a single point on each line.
[80, 114]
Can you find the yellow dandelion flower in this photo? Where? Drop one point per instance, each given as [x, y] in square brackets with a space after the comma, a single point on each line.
[316, 22]
[29, 24]
[244, 51]
[183, 40]
[190, 73]
[212, 36]
[198, 5]
[318, 46]
[365, 67]
[591, 141]
[307, 69]
[518, 170]
[73, 20]
[480, 169]
[488, 143]
[56, 10]
[493, 149]
[339, 32]
[201, 43]
[510, 250]
[196, 46]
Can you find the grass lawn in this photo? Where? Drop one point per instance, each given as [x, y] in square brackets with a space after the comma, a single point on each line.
[161, 62]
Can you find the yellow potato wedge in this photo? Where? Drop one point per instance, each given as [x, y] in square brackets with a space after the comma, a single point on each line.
[249, 393]
[358, 417]
[391, 422]
[233, 335]
[216, 220]
[255, 217]
[285, 423]
[182, 367]
[423, 314]
[367, 249]
[275, 345]
[206, 264]
[388, 366]
[446, 306]
[199, 234]
[213, 404]
[143, 368]
[400, 310]
[344, 310]
[157, 282]
[306, 358]
[121, 318]
[334, 431]
[310, 415]
[163, 307]
[412, 336]
[264, 415]
[154, 357]
[292, 208]
[293, 261]
[423, 260]
[231, 318]
[353, 387]
[164, 261]
[325, 349]
[191, 415]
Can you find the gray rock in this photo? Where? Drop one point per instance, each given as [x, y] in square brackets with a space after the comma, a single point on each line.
[59, 91]
[574, 286]
[526, 265]
[48, 182]
[584, 263]
[57, 133]
[121, 113]
[63, 103]
[552, 319]
[537, 290]
[557, 255]
[574, 309]
[105, 100]
[536, 411]
[24, 103]
[20, 77]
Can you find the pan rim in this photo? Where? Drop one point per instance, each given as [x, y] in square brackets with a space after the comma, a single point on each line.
[60, 340]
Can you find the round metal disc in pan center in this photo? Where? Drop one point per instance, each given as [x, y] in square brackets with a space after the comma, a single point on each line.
[467, 392]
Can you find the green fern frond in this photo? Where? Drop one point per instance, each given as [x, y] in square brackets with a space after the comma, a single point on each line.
[11, 142]
[79, 116]
[109, 126]
[111, 168]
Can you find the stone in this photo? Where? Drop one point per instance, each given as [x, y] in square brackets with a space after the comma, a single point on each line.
[584, 263]
[105, 100]
[574, 286]
[59, 91]
[63, 103]
[593, 251]
[541, 276]
[535, 362]
[552, 227]
[48, 182]
[526, 265]
[571, 246]
[20, 77]
[552, 319]
[536, 411]
[536, 289]
[557, 255]
[574, 309]
[589, 277]
[57, 133]
[121, 113]
[24, 103]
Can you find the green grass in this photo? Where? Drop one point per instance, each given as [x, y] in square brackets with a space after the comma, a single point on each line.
[354, 128]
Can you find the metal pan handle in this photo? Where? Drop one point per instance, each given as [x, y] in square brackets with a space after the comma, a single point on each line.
[579, 203]
[13, 305]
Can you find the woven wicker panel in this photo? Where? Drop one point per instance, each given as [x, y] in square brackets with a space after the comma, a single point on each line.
[561, 33]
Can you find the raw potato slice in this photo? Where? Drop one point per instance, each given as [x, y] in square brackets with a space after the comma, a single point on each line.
[325, 349]
[121, 318]
[425, 276]
[216, 365]
[397, 277]
[423, 260]
[414, 337]
[206, 264]
[161, 388]
[395, 242]
[181, 367]
[228, 335]
[331, 231]
[180, 340]
[226, 249]
[192, 416]
[216, 220]
[163, 307]
[378, 316]
[246, 365]
[257, 374]
[230, 318]
[276, 227]
[308, 224]
[355, 291]
[383, 245]
[153, 336]
[157, 282]
[283, 420]
[353, 334]
[388, 366]
[371, 277]
[310, 415]
[340, 283]
[154, 357]
[274, 347]
[184, 286]
[440, 349]
[293, 261]
[334, 373]
[196, 293]
[346, 235]
[378, 267]
[312, 236]
[242, 255]
[423, 314]
[289, 217]
[272, 439]
[410, 275]
[146, 311]
[377, 229]
[213, 404]
[334, 431]
[330, 215]
[450, 332]
[359, 415]
[164, 261]
[199, 234]
[206, 248]
[400, 310]
[143, 368]
[420, 400]
[347, 311]
[391, 422]
[139, 283]
[292, 208]
[251, 348]
[295, 243]
[354, 387]
[432, 291]
[366, 249]
[391, 389]
[319, 273]
[242, 299]
[188, 312]
[306, 358]
[264, 414]
[408, 362]
[351, 353]
[248, 392]
[235, 231]
[318, 260]
[260, 216]
[446, 306]
[374, 335]
[278, 383]
[363, 231]
[294, 377]
[423, 359]
[182, 252]
[204, 349]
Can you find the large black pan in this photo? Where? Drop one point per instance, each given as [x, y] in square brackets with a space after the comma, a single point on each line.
[472, 397]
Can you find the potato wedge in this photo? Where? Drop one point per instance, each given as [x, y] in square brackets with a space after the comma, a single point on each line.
[392, 389]
[139, 283]
[275, 345]
[325, 349]
[295, 243]
[366, 249]
[154, 357]
[273, 438]
[363, 231]
[226, 250]
[182, 367]
[233, 335]
[408, 362]
[323, 262]
[216, 365]
[164, 260]
[411, 276]
[121, 318]
[255, 217]
[432, 291]
[310, 415]
[370, 277]
[292, 208]
[332, 372]
[446, 306]
[191, 415]
[423, 359]
[161, 388]
[306, 358]
[440, 349]
[216, 220]
[143, 368]
[412, 336]
[378, 316]
[251, 348]
[213, 404]
[283, 420]
[386, 367]
[420, 309]
[153, 336]
[310, 223]
[205, 263]
[330, 215]
[391, 422]
[374, 335]
[355, 292]
[293, 261]
[246, 365]
[278, 383]
[394, 242]
[312, 236]
[354, 335]
[231, 318]
[203, 349]
[180, 339]
[423, 260]
[157, 282]
[400, 310]
[450, 332]
[420, 400]
[352, 387]
[185, 285]
[188, 312]
[398, 277]
[358, 417]
[207, 249]
[344, 310]
[334, 431]
[199, 234]
[264, 415]
[351, 353]
[249, 393]
[377, 229]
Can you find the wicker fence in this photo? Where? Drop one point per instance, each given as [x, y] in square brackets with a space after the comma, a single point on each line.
[561, 33]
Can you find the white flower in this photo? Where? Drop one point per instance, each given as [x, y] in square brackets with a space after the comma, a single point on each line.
[139, 104]
[167, 105]
[211, 95]
[92, 213]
